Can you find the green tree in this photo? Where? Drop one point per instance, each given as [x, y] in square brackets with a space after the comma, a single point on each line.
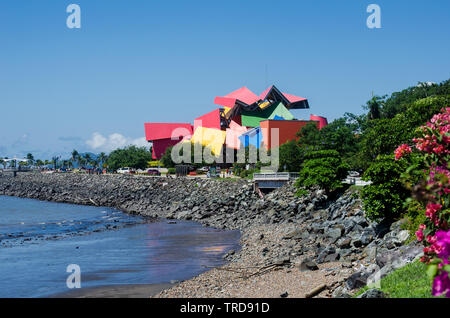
[74, 156]
[399, 101]
[65, 164]
[30, 159]
[54, 162]
[309, 137]
[88, 159]
[291, 156]
[81, 161]
[39, 163]
[382, 136]
[166, 159]
[374, 105]
[102, 157]
[385, 197]
[340, 135]
[322, 168]
[131, 156]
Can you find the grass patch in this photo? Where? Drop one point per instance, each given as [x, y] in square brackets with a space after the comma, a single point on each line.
[355, 188]
[410, 281]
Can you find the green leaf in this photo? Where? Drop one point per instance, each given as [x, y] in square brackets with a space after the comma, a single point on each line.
[446, 268]
[435, 261]
[432, 271]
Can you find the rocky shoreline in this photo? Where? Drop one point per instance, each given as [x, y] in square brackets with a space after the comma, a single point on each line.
[311, 240]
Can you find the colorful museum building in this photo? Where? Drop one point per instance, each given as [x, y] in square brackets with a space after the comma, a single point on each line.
[242, 119]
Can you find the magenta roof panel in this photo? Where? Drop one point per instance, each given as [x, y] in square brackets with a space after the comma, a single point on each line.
[243, 94]
[293, 98]
[209, 120]
[156, 131]
[225, 101]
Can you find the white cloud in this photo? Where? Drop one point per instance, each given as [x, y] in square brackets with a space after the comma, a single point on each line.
[98, 142]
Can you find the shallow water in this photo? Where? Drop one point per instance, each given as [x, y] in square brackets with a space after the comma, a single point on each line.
[40, 239]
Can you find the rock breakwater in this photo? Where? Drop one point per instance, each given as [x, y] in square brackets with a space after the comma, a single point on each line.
[280, 229]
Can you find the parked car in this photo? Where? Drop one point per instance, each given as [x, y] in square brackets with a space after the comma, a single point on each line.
[353, 174]
[204, 169]
[126, 170]
[153, 172]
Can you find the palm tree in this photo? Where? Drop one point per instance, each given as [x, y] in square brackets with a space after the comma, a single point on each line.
[55, 161]
[39, 163]
[3, 162]
[30, 159]
[75, 156]
[102, 157]
[81, 161]
[88, 158]
[375, 106]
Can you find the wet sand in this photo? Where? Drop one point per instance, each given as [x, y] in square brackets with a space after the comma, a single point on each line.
[116, 291]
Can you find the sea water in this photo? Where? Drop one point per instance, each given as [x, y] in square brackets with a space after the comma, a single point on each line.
[39, 240]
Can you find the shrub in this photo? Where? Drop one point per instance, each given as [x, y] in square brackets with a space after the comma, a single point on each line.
[385, 197]
[432, 196]
[322, 168]
[171, 171]
[415, 217]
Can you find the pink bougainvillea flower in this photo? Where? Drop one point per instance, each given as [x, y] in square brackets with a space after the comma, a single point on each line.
[443, 241]
[401, 151]
[419, 235]
[431, 210]
[441, 285]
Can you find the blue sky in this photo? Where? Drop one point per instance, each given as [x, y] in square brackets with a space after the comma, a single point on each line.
[159, 61]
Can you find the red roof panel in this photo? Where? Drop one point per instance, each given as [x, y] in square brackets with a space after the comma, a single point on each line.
[243, 94]
[293, 98]
[209, 120]
[156, 131]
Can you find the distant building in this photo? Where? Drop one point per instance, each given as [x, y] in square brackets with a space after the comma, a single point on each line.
[243, 119]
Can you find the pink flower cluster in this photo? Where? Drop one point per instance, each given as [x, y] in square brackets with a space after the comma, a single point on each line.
[419, 233]
[401, 151]
[441, 285]
[432, 193]
[435, 170]
[443, 242]
[431, 212]
[436, 134]
[441, 282]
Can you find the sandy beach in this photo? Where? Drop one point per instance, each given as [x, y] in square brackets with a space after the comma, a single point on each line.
[252, 275]
[115, 291]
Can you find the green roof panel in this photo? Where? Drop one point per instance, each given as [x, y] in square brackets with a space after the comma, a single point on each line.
[252, 118]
